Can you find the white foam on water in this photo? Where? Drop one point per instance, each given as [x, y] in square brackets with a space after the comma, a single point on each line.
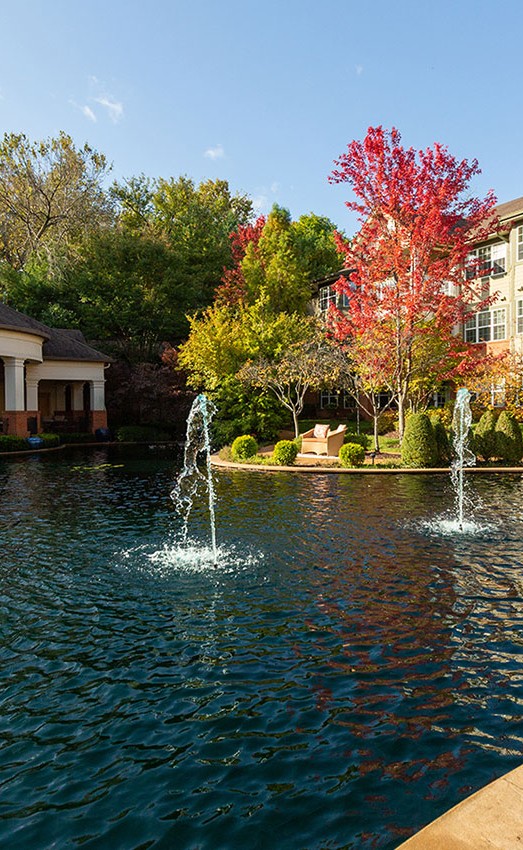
[190, 557]
[452, 527]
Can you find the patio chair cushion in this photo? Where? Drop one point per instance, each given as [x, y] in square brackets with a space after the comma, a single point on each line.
[321, 431]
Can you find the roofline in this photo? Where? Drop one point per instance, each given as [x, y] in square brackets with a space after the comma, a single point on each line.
[24, 330]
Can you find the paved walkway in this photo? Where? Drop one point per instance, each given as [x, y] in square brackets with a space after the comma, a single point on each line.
[490, 819]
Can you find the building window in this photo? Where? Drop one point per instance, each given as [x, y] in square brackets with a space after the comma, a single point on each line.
[486, 325]
[329, 398]
[497, 394]
[487, 261]
[327, 296]
[520, 241]
[519, 317]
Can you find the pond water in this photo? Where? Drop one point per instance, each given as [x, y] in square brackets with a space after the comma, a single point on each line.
[345, 674]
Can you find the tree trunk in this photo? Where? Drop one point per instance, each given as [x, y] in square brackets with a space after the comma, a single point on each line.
[376, 436]
[296, 425]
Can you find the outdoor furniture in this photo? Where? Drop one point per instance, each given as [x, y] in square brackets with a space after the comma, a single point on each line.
[320, 440]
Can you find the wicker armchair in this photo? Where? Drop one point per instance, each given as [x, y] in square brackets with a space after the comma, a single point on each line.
[330, 444]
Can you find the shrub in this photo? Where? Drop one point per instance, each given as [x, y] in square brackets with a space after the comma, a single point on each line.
[443, 450]
[139, 434]
[243, 448]
[77, 437]
[418, 448]
[485, 436]
[11, 443]
[509, 444]
[50, 440]
[352, 454]
[359, 439]
[386, 422]
[442, 414]
[285, 452]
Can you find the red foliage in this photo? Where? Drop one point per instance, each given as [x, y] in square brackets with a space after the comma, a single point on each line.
[417, 224]
[232, 289]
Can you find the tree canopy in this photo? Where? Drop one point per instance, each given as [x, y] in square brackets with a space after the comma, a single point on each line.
[407, 284]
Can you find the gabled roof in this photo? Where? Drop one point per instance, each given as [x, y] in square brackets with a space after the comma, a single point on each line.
[511, 209]
[58, 344]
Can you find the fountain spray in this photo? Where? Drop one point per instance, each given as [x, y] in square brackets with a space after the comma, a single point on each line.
[461, 422]
[191, 477]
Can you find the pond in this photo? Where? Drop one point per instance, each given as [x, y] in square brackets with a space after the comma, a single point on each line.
[345, 674]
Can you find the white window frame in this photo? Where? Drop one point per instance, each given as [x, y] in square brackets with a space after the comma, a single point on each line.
[326, 297]
[487, 261]
[486, 326]
[329, 398]
[519, 316]
[519, 242]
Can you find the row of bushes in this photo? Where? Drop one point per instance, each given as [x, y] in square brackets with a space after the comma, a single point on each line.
[11, 443]
[245, 449]
[426, 441]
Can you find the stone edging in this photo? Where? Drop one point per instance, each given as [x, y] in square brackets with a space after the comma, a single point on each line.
[360, 470]
[490, 818]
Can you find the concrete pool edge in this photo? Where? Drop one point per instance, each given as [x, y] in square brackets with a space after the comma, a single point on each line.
[360, 470]
[490, 819]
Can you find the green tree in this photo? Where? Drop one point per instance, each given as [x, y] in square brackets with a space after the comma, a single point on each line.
[50, 193]
[281, 262]
[309, 365]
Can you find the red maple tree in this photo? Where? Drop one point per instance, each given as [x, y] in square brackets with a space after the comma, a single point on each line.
[232, 288]
[407, 288]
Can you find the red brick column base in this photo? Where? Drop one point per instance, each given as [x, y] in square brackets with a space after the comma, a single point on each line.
[97, 419]
[17, 421]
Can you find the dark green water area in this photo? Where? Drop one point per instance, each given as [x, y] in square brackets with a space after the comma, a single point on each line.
[350, 669]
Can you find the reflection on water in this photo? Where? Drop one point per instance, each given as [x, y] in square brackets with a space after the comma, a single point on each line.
[345, 674]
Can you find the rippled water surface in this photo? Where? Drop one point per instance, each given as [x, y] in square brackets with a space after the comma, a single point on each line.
[351, 668]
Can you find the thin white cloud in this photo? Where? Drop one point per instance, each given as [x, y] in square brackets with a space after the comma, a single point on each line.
[113, 108]
[88, 112]
[275, 188]
[359, 70]
[215, 153]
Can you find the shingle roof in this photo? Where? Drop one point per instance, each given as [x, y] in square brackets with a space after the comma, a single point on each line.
[510, 209]
[58, 344]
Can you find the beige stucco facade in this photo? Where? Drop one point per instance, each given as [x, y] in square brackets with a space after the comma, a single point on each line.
[65, 388]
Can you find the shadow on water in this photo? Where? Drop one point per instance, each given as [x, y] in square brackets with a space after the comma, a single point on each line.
[343, 675]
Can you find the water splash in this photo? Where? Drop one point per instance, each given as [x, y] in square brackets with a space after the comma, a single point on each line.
[191, 478]
[464, 456]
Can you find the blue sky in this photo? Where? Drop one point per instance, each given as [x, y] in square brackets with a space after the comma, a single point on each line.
[267, 94]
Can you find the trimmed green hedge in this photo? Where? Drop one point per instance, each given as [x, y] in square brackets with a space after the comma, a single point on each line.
[285, 453]
[243, 448]
[351, 454]
[509, 443]
[359, 439]
[77, 437]
[419, 448]
[11, 443]
[485, 436]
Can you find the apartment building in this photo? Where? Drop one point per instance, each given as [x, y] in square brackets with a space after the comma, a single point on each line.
[498, 263]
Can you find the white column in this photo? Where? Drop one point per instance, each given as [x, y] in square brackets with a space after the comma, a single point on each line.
[31, 389]
[14, 383]
[78, 396]
[97, 395]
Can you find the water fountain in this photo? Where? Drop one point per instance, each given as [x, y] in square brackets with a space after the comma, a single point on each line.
[464, 457]
[197, 442]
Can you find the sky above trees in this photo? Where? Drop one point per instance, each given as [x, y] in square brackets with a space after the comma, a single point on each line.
[267, 95]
